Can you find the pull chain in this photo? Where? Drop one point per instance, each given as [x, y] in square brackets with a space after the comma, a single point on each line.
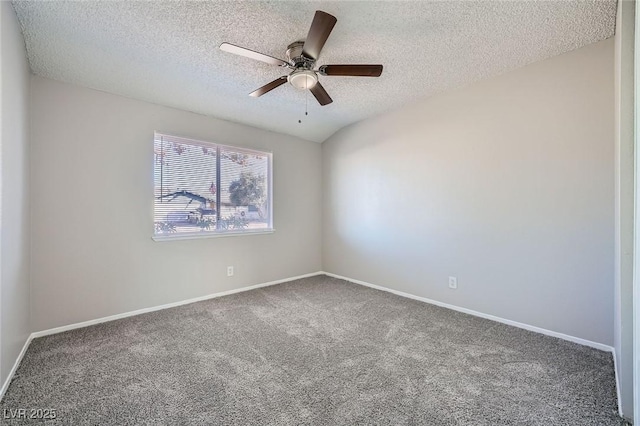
[306, 103]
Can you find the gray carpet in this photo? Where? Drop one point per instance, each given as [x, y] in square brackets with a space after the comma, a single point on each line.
[315, 351]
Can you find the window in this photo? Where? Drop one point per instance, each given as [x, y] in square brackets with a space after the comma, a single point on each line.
[204, 189]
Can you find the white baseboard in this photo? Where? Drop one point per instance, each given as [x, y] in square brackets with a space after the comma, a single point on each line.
[573, 339]
[528, 327]
[63, 328]
[615, 371]
[166, 306]
[5, 385]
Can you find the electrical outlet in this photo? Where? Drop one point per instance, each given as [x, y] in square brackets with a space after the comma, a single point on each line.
[453, 282]
[229, 271]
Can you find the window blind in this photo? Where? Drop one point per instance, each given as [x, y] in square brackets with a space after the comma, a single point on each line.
[205, 188]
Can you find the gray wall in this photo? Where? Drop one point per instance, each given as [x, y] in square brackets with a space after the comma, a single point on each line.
[92, 253]
[507, 184]
[624, 192]
[14, 192]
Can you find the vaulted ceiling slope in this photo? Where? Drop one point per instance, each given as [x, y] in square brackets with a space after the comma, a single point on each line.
[166, 52]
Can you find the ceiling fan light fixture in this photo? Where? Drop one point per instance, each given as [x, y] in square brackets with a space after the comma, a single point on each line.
[303, 79]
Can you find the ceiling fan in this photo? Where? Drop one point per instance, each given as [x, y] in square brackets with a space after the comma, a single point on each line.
[302, 57]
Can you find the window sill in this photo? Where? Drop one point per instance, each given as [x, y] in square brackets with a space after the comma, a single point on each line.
[201, 235]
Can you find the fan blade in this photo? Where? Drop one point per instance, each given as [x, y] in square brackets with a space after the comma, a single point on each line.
[269, 87]
[232, 48]
[352, 70]
[318, 34]
[321, 95]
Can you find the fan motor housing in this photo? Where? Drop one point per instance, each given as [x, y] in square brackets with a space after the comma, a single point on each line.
[295, 56]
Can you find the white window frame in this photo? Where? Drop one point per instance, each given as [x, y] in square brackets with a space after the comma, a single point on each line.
[216, 233]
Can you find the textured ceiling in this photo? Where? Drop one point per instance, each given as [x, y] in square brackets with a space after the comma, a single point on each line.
[166, 52]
